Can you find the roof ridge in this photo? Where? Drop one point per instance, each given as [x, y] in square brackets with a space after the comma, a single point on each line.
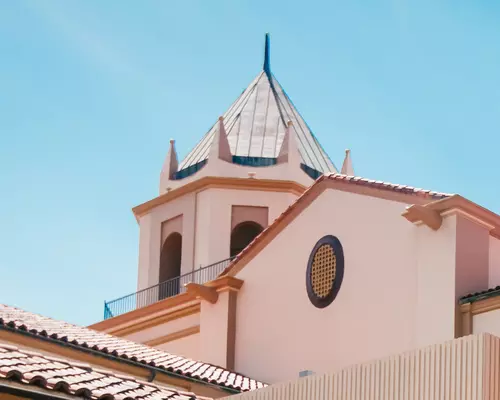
[293, 108]
[384, 184]
[324, 154]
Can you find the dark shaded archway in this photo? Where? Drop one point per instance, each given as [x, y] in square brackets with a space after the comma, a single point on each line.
[170, 266]
[242, 235]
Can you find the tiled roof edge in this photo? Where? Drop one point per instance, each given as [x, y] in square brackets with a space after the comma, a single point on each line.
[41, 380]
[334, 176]
[392, 187]
[477, 296]
[42, 335]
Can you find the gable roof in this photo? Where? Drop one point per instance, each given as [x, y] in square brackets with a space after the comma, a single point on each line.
[255, 125]
[77, 380]
[123, 350]
[390, 191]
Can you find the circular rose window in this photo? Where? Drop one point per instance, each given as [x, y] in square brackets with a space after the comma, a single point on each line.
[325, 271]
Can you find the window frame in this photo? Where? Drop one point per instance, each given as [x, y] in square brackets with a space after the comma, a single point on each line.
[334, 242]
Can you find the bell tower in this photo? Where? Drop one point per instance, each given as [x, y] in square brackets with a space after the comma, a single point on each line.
[256, 159]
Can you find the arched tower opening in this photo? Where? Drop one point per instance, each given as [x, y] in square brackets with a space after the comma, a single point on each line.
[170, 266]
[242, 235]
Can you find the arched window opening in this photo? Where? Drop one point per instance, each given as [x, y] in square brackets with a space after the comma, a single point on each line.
[242, 235]
[170, 266]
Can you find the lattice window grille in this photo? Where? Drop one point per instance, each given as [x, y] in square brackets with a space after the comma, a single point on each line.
[323, 271]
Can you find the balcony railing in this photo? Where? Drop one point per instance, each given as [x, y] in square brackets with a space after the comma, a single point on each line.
[163, 290]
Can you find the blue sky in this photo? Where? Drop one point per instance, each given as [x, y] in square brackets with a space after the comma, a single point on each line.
[92, 91]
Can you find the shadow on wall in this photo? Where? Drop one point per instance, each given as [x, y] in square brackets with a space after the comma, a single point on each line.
[242, 235]
[170, 266]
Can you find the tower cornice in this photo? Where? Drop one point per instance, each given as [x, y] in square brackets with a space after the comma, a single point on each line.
[208, 182]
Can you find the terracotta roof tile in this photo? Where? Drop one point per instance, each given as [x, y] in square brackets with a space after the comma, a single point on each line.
[354, 180]
[123, 349]
[70, 379]
[386, 186]
[472, 297]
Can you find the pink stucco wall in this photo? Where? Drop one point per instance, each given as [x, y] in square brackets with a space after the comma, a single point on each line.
[240, 214]
[494, 262]
[166, 328]
[205, 225]
[373, 314]
[487, 322]
[435, 283]
[401, 286]
[188, 346]
[213, 232]
[214, 331]
[170, 226]
[472, 256]
[150, 238]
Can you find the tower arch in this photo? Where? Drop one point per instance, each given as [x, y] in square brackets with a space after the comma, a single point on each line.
[242, 234]
[170, 265]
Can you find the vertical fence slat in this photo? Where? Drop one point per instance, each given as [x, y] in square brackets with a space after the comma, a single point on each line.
[467, 368]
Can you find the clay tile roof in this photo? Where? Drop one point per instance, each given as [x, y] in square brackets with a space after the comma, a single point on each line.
[356, 180]
[477, 296]
[19, 320]
[74, 379]
[352, 180]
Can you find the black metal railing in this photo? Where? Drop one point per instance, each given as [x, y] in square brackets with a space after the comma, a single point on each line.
[163, 290]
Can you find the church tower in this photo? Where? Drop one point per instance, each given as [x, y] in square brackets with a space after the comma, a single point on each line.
[257, 158]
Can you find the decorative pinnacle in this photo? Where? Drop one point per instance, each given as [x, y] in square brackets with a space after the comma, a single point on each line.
[289, 123]
[172, 141]
[267, 61]
[221, 118]
[347, 151]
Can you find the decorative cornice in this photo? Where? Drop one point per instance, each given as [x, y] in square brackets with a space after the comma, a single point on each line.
[210, 290]
[457, 204]
[202, 292]
[225, 283]
[175, 307]
[192, 330]
[481, 306]
[163, 310]
[419, 213]
[223, 183]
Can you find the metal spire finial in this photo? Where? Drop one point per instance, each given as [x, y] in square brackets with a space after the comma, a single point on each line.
[267, 62]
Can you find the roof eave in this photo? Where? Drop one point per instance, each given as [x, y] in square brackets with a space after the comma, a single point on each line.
[340, 182]
[218, 182]
[150, 372]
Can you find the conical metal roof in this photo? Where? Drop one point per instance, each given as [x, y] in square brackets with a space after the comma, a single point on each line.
[255, 125]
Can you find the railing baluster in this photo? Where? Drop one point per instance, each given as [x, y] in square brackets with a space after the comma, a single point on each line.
[163, 290]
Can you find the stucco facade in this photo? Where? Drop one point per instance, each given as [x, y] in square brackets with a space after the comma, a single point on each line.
[494, 262]
[406, 270]
[401, 286]
[204, 219]
[274, 310]
[215, 218]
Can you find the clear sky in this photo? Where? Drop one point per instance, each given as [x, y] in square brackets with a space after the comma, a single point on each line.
[92, 91]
